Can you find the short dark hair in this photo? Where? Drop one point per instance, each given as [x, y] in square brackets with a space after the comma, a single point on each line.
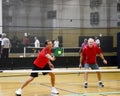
[46, 42]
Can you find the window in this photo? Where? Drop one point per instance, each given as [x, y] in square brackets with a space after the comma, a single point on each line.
[118, 24]
[118, 7]
[94, 18]
[51, 14]
[95, 3]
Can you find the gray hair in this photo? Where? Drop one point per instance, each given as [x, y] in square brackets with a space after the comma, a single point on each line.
[90, 39]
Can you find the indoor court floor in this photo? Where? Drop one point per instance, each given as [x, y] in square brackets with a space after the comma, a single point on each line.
[68, 84]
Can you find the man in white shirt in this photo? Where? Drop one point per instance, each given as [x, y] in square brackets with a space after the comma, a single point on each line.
[97, 41]
[36, 44]
[5, 46]
[56, 43]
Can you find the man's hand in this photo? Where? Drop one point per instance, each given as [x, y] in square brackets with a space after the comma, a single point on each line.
[51, 65]
[80, 66]
[105, 61]
[53, 58]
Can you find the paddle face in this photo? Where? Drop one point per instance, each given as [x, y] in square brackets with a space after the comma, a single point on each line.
[58, 52]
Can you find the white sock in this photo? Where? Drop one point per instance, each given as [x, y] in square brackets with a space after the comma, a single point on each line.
[99, 81]
[20, 89]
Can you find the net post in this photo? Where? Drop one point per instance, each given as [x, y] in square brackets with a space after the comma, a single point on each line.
[24, 51]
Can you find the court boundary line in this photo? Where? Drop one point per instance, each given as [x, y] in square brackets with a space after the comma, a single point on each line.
[58, 71]
[94, 93]
[61, 89]
[82, 94]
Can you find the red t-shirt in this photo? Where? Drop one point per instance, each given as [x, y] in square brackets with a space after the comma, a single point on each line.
[89, 54]
[42, 60]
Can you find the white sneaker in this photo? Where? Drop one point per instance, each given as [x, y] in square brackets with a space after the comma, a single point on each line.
[18, 92]
[85, 85]
[54, 90]
[100, 84]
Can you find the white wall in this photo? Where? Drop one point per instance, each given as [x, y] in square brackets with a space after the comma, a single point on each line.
[71, 9]
[70, 13]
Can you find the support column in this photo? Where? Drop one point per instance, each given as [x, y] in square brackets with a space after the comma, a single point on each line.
[0, 16]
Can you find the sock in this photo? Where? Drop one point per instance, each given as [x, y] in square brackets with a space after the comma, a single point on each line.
[99, 81]
[20, 89]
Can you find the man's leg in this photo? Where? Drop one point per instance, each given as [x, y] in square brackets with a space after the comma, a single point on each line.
[96, 67]
[99, 76]
[85, 79]
[19, 91]
[53, 89]
[52, 75]
[86, 66]
[100, 84]
[27, 82]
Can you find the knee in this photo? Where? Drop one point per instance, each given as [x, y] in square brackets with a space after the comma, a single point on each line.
[52, 75]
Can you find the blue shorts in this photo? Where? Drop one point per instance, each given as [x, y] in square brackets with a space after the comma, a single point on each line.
[92, 66]
[35, 68]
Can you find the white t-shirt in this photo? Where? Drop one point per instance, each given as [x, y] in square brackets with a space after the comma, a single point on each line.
[97, 41]
[5, 43]
[56, 44]
[37, 43]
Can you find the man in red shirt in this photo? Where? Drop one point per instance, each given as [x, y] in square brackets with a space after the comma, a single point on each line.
[88, 57]
[42, 62]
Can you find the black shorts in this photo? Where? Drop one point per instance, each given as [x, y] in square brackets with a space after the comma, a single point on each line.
[35, 68]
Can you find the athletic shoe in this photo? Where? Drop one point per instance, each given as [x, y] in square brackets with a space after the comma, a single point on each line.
[85, 85]
[100, 84]
[18, 92]
[54, 90]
